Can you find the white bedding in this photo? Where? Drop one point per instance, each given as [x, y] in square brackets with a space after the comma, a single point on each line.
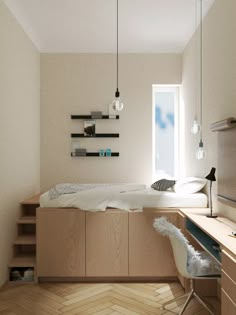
[99, 200]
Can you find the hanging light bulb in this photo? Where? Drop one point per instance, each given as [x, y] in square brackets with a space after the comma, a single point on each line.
[117, 104]
[196, 127]
[201, 153]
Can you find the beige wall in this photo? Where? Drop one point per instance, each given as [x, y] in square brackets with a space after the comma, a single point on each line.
[19, 128]
[80, 83]
[219, 85]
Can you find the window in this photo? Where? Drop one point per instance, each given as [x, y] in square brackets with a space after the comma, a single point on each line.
[166, 131]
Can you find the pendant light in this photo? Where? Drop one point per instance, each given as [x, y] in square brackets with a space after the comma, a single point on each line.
[117, 104]
[196, 127]
[201, 153]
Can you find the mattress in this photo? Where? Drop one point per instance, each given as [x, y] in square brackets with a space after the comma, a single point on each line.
[133, 200]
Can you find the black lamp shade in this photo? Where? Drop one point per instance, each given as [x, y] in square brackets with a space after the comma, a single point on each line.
[211, 175]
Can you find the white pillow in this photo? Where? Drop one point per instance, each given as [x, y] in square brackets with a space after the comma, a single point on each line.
[189, 185]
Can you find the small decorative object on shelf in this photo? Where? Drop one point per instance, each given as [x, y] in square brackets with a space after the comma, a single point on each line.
[89, 128]
[108, 152]
[96, 115]
[80, 152]
[101, 152]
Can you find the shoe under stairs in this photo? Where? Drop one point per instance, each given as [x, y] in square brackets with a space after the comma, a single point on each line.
[24, 246]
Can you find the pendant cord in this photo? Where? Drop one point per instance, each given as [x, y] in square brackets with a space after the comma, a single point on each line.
[117, 47]
[201, 80]
[196, 66]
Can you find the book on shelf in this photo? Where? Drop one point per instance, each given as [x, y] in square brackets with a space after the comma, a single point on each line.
[89, 128]
[96, 115]
[80, 152]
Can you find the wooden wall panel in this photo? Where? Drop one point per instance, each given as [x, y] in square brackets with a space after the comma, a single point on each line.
[107, 244]
[229, 265]
[227, 305]
[60, 242]
[229, 286]
[150, 254]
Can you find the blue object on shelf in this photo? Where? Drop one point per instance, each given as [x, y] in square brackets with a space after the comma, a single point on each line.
[108, 152]
[101, 152]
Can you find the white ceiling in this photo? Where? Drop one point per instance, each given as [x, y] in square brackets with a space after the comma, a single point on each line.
[145, 26]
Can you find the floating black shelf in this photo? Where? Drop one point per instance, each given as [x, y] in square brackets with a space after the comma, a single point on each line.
[97, 135]
[95, 154]
[90, 117]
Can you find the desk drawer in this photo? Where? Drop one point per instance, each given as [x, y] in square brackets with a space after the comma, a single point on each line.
[229, 286]
[229, 265]
[227, 305]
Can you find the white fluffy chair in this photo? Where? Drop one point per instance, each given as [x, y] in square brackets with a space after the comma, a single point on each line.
[190, 263]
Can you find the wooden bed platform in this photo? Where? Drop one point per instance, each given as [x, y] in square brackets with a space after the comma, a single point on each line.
[68, 244]
[113, 244]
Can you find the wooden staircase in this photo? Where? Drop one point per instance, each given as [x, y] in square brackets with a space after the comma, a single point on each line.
[24, 246]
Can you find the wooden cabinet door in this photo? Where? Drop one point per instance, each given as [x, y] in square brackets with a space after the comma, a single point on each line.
[150, 254]
[229, 265]
[228, 307]
[107, 244]
[60, 242]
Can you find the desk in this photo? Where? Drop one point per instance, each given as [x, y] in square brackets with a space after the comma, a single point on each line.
[213, 236]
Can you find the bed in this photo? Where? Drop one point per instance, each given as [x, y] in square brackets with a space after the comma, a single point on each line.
[113, 240]
[129, 197]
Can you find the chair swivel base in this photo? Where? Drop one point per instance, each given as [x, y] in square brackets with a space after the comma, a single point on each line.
[189, 296]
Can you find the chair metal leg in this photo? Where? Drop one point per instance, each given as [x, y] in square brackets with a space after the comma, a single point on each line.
[191, 294]
[203, 303]
[174, 300]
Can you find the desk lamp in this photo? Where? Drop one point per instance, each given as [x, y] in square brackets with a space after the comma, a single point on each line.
[211, 177]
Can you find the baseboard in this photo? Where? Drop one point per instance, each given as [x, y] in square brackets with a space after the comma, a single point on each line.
[108, 279]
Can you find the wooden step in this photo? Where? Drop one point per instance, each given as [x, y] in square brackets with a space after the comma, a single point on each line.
[23, 261]
[32, 201]
[25, 240]
[27, 220]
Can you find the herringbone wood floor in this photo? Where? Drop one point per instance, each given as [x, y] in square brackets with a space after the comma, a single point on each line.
[99, 299]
